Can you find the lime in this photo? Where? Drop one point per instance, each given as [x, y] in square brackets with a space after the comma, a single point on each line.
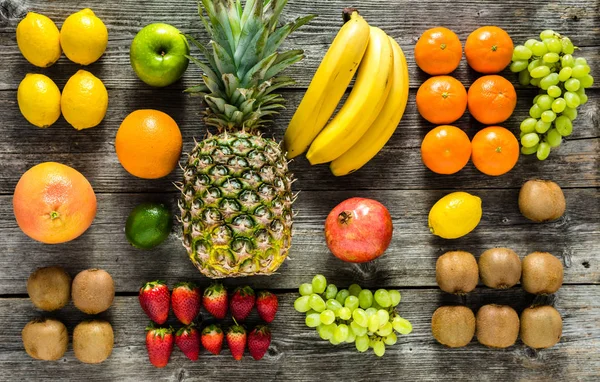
[148, 225]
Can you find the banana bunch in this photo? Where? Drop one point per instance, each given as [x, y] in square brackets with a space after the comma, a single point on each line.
[372, 111]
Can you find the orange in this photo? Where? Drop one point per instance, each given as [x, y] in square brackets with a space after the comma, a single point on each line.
[442, 100]
[438, 51]
[148, 144]
[495, 150]
[446, 149]
[489, 49]
[54, 203]
[491, 99]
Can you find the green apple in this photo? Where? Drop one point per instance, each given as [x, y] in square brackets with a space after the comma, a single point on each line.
[158, 54]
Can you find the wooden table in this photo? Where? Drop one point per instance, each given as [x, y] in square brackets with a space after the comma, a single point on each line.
[396, 177]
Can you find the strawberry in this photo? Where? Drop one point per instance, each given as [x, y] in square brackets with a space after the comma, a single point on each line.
[215, 300]
[212, 338]
[241, 303]
[159, 342]
[188, 340]
[266, 305]
[236, 339]
[185, 299]
[259, 340]
[155, 300]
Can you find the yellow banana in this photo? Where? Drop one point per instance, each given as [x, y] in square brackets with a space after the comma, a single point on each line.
[328, 85]
[364, 103]
[384, 126]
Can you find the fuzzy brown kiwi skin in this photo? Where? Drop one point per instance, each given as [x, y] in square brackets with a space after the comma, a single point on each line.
[93, 341]
[541, 200]
[93, 291]
[499, 268]
[457, 272]
[453, 326]
[541, 326]
[542, 273]
[49, 288]
[497, 326]
[45, 338]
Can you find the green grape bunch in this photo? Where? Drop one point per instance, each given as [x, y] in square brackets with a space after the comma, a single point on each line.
[562, 78]
[353, 315]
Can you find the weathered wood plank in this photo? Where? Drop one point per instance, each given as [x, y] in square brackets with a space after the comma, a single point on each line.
[296, 352]
[409, 261]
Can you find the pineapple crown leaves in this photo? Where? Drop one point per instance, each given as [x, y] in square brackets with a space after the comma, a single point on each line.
[243, 64]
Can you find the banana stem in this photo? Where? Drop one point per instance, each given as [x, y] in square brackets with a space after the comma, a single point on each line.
[347, 13]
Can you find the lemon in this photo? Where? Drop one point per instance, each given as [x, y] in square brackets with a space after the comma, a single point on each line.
[84, 100]
[83, 37]
[38, 39]
[455, 215]
[39, 100]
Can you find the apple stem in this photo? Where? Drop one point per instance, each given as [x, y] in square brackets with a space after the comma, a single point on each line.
[344, 217]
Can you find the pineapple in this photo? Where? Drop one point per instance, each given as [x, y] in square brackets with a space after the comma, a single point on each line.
[236, 204]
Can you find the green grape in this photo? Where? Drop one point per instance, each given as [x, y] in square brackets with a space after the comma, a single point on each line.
[554, 91]
[345, 313]
[302, 304]
[331, 291]
[385, 330]
[567, 45]
[341, 296]
[550, 58]
[333, 305]
[535, 111]
[305, 289]
[528, 125]
[521, 133]
[572, 99]
[365, 298]
[570, 113]
[390, 339]
[580, 71]
[362, 343]
[379, 349]
[567, 61]
[548, 116]
[313, 320]
[384, 316]
[373, 323]
[540, 71]
[351, 337]
[333, 341]
[583, 98]
[319, 283]
[548, 33]
[357, 329]
[559, 105]
[549, 80]
[375, 305]
[586, 81]
[539, 49]
[553, 138]
[572, 84]
[326, 331]
[534, 64]
[565, 74]
[351, 302]
[541, 127]
[534, 81]
[341, 333]
[354, 289]
[382, 297]
[517, 66]
[360, 317]
[529, 150]
[543, 151]
[327, 317]
[563, 125]
[553, 45]
[536, 98]
[529, 43]
[580, 61]
[395, 296]
[370, 311]
[530, 139]
[522, 53]
[544, 102]
[316, 302]
[402, 325]
[524, 78]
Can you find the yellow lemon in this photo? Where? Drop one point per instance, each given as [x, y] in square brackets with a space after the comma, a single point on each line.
[39, 100]
[83, 37]
[84, 100]
[455, 215]
[38, 40]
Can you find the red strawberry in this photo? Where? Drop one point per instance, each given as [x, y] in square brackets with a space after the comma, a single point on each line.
[266, 305]
[259, 340]
[236, 339]
[212, 338]
[241, 303]
[159, 342]
[215, 300]
[185, 299]
[188, 340]
[155, 299]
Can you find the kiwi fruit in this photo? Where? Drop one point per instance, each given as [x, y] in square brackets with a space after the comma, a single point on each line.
[457, 272]
[45, 339]
[499, 268]
[49, 288]
[542, 273]
[453, 326]
[497, 326]
[541, 326]
[93, 291]
[93, 341]
[541, 200]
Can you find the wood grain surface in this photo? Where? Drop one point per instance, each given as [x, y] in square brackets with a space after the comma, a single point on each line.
[395, 177]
